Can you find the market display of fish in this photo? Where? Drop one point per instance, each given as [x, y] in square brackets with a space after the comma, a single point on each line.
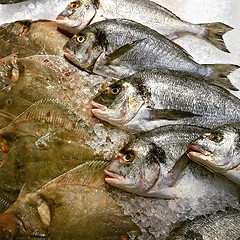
[218, 150]
[222, 225]
[154, 98]
[75, 205]
[65, 173]
[119, 48]
[79, 14]
[151, 165]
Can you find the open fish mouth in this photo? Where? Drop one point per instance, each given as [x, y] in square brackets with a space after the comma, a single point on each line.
[113, 178]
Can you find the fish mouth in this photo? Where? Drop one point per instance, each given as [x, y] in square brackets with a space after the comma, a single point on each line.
[195, 153]
[98, 106]
[68, 53]
[113, 178]
[192, 148]
[74, 23]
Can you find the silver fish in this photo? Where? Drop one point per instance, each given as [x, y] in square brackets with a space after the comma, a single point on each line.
[149, 166]
[150, 99]
[222, 225]
[79, 14]
[119, 48]
[218, 150]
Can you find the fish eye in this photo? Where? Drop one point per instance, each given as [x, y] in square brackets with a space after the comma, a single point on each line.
[128, 157]
[80, 38]
[215, 137]
[73, 5]
[115, 90]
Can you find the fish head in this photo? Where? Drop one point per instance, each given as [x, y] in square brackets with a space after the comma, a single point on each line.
[218, 150]
[84, 48]
[77, 15]
[118, 104]
[136, 168]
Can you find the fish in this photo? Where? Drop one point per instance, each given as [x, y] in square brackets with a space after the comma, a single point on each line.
[154, 98]
[43, 142]
[152, 164]
[11, 1]
[79, 14]
[218, 151]
[118, 48]
[26, 38]
[221, 225]
[80, 196]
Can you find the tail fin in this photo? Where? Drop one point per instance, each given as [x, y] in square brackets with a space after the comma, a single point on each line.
[219, 77]
[215, 32]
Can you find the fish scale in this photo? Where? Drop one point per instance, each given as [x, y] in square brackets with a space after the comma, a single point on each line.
[163, 98]
[119, 47]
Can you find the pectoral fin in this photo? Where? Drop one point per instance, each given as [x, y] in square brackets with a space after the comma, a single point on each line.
[164, 193]
[120, 51]
[176, 173]
[169, 114]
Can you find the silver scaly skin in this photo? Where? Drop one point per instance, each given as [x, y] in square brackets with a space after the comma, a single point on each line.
[119, 47]
[150, 99]
[219, 151]
[79, 14]
[222, 225]
[148, 166]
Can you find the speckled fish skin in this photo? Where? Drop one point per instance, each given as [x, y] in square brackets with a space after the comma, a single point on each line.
[63, 207]
[120, 47]
[26, 38]
[218, 150]
[145, 165]
[150, 99]
[78, 14]
[222, 225]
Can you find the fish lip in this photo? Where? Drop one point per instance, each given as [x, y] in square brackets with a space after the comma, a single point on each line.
[98, 106]
[59, 18]
[192, 148]
[113, 178]
[68, 52]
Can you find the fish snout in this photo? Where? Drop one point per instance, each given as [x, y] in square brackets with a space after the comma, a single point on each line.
[59, 17]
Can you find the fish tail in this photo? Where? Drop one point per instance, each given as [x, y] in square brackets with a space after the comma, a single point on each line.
[214, 34]
[220, 74]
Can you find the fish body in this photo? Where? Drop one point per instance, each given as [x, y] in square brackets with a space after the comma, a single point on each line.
[149, 166]
[74, 205]
[222, 225]
[79, 14]
[150, 99]
[120, 47]
[26, 38]
[218, 150]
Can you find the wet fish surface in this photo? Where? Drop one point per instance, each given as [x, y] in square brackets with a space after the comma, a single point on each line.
[119, 48]
[218, 150]
[150, 165]
[222, 225]
[26, 38]
[79, 14]
[150, 99]
[75, 205]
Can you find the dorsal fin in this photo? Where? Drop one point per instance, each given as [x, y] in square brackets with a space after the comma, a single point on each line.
[88, 174]
[51, 111]
[4, 205]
